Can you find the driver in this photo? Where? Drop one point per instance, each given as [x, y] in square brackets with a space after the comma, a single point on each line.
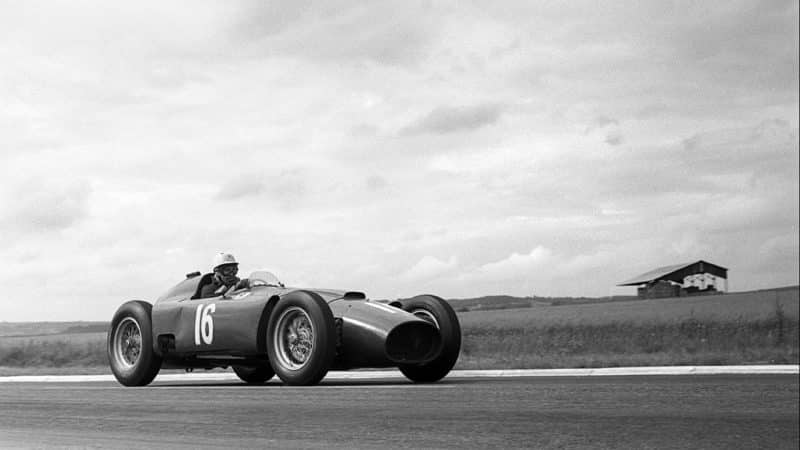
[225, 269]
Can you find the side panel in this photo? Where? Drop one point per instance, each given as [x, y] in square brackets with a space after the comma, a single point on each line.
[218, 325]
[212, 326]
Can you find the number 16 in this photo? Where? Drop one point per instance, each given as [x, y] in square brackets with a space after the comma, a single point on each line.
[204, 324]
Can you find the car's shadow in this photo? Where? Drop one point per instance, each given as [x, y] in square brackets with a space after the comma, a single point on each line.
[276, 384]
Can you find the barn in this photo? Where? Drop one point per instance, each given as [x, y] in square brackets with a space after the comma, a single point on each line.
[678, 280]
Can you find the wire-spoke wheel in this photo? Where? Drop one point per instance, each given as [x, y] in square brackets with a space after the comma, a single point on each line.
[294, 336]
[127, 342]
[130, 345]
[301, 338]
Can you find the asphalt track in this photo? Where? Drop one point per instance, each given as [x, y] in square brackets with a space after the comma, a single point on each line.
[675, 411]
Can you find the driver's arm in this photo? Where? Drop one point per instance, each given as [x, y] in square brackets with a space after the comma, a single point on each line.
[220, 290]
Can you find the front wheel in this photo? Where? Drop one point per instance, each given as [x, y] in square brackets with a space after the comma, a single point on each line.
[439, 313]
[301, 338]
[130, 345]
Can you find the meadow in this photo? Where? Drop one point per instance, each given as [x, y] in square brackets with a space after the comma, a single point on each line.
[52, 347]
[737, 328]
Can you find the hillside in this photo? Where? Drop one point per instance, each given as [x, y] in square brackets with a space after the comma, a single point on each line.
[492, 302]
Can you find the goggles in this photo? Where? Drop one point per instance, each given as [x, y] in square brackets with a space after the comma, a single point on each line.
[228, 270]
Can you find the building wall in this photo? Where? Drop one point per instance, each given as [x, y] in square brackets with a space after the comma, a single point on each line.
[666, 289]
[660, 289]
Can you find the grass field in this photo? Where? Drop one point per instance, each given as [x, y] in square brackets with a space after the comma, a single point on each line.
[748, 306]
[493, 302]
[52, 348]
[738, 328]
[44, 328]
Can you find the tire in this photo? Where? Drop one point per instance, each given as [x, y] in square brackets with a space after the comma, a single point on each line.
[254, 375]
[130, 345]
[301, 338]
[438, 312]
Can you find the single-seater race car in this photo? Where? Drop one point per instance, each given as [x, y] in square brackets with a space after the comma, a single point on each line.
[266, 329]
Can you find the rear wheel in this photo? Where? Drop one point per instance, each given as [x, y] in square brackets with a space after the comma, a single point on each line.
[301, 338]
[254, 375]
[130, 345]
[439, 313]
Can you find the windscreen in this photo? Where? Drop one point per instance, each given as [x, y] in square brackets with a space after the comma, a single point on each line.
[264, 278]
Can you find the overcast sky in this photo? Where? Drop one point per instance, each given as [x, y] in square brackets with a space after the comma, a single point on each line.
[524, 148]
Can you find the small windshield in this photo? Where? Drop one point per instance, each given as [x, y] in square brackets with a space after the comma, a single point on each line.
[264, 278]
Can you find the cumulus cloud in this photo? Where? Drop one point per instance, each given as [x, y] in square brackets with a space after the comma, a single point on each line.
[516, 265]
[585, 262]
[445, 120]
[429, 267]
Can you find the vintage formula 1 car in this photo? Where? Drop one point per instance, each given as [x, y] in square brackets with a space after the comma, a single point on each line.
[266, 329]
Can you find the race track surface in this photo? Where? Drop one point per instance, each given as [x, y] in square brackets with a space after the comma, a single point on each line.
[701, 411]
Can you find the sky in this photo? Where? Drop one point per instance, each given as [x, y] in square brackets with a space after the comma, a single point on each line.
[398, 148]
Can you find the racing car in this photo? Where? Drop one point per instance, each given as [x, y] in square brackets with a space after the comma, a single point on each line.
[265, 328]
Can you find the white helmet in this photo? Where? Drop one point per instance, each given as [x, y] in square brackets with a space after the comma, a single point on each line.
[220, 259]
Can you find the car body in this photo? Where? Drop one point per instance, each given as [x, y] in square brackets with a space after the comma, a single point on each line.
[267, 328]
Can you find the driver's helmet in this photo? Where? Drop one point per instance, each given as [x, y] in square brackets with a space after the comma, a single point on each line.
[225, 268]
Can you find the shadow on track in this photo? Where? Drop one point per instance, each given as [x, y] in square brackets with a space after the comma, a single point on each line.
[275, 384]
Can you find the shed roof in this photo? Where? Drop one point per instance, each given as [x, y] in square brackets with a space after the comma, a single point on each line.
[664, 272]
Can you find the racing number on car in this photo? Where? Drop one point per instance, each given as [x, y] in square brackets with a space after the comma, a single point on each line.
[204, 324]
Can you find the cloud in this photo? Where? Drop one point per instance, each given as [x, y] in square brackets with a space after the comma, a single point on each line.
[765, 146]
[718, 43]
[364, 130]
[38, 206]
[483, 161]
[375, 183]
[384, 33]
[444, 120]
[241, 187]
[601, 122]
[516, 265]
[715, 162]
[366, 135]
[429, 267]
[285, 187]
[585, 262]
[782, 249]
[614, 138]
